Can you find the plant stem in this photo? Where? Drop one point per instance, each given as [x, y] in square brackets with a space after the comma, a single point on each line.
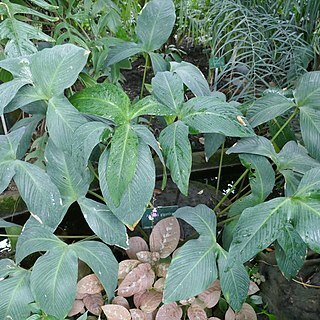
[221, 223]
[231, 189]
[220, 168]
[97, 195]
[4, 125]
[93, 171]
[144, 75]
[285, 124]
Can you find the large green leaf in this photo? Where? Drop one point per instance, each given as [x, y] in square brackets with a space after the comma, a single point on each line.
[258, 227]
[255, 145]
[72, 180]
[159, 64]
[155, 24]
[30, 124]
[295, 157]
[105, 100]
[6, 174]
[193, 268]
[291, 251]
[122, 161]
[39, 193]
[210, 115]
[310, 130]
[104, 223]
[168, 89]
[8, 90]
[57, 68]
[16, 296]
[7, 266]
[192, 77]
[307, 209]
[123, 51]
[234, 280]
[292, 181]
[9, 144]
[36, 239]
[139, 191]
[100, 259]
[307, 93]
[147, 137]
[54, 281]
[177, 152]
[62, 121]
[267, 108]
[212, 142]
[261, 175]
[149, 106]
[86, 138]
[25, 96]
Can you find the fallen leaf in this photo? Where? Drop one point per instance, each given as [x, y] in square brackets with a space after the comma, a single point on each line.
[150, 301]
[126, 266]
[211, 296]
[89, 285]
[246, 313]
[139, 279]
[115, 312]
[136, 244]
[121, 301]
[253, 288]
[137, 314]
[169, 311]
[93, 303]
[165, 236]
[195, 312]
[78, 307]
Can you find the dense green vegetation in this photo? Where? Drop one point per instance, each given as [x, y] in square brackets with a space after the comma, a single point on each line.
[61, 73]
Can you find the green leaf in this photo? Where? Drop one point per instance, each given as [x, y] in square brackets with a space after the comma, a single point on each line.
[186, 275]
[100, 259]
[267, 108]
[192, 77]
[307, 93]
[104, 223]
[261, 175]
[149, 106]
[105, 100]
[255, 145]
[310, 130]
[7, 267]
[291, 252]
[123, 51]
[139, 191]
[210, 115]
[310, 184]
[234, 280]
[8, 90]
[177, 152]
[292, 180]
[39, 193]
[258, 227]
[72, 180]
[168, 89]
[7, 172]
[54, 281]
[6, 224]
[9, 144]
[159, 64]
[30, 125]
[212, 142]
[55, 69]
[201, 218]
[192, 270]
[155, 24]
[16, 296]
[295, 157]
[148, 138]
[122, 161]
[63, 119]
[25, 96]
[36, 239]
[86, 138]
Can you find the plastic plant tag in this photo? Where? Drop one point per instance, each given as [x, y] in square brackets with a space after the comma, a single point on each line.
[152, 216]
[215, 62]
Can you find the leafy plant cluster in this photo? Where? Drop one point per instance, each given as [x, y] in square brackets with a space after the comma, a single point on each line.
[97, 134]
